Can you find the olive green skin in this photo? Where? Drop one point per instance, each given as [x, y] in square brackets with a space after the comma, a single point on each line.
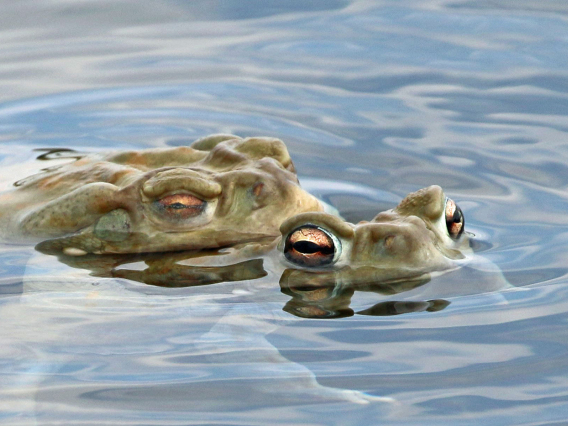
[108, 203]
[409, 240]
[400, 247]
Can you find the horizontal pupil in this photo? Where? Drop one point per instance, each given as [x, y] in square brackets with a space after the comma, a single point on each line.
[309, 247]
[177, 206]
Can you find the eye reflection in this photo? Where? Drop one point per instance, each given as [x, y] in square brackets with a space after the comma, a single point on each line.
[394, 307]
[314, 295]
[310, 246]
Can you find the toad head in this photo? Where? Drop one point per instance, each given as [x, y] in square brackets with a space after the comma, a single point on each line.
[220, 191]
[424, 233]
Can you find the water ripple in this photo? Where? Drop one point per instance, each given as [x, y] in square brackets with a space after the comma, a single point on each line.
[374, 99]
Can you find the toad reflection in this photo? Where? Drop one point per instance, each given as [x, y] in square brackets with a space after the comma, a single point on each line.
[322, 261]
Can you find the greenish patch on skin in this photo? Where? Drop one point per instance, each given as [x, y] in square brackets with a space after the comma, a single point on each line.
[113, 226]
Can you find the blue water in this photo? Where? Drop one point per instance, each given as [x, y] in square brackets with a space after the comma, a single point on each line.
[374, 100]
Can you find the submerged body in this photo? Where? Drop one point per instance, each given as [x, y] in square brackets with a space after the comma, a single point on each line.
[320, 261]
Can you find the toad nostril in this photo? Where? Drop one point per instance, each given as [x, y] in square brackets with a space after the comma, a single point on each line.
[388, 241]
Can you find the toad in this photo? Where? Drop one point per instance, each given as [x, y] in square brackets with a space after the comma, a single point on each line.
[422, 240]
[320, 260]
[424, 233]
[219, 191]
[240, 197]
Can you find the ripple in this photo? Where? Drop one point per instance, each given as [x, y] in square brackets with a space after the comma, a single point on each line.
[374, 99]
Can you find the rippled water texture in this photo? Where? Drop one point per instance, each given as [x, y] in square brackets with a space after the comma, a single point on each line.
[374, 99]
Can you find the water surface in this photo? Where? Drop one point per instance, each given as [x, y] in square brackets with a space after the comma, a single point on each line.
[374, 100]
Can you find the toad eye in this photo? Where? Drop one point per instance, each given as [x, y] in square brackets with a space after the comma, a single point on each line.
[311, 246]
[180, 206]
[455, 222]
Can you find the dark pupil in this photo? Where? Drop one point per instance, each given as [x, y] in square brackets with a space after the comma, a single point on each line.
[176, 206]
[457, 215]
[308, 247]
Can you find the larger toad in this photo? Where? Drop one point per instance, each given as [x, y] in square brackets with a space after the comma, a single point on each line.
[220, 191]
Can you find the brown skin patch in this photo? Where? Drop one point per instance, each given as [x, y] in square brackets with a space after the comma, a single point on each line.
[257, 189]
[388, 241]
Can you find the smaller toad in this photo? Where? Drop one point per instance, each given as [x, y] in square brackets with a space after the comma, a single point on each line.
[424, 233]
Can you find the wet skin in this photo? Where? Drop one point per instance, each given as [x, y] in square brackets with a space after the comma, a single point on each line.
[322, 260]
[231, 209]
[424, 233]
[239, 217]
[220, 191]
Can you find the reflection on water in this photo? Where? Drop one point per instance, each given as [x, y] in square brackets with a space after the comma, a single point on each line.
[321, 294]
[313, 294]
[166, 269]
[374, 100]
[314, 297]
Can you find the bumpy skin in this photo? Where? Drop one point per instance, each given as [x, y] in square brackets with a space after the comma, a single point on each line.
[393, 255]
[394, 252]
[111, 203]
[397, 244]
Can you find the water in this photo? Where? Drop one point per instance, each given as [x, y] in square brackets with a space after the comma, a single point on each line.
[374, 100]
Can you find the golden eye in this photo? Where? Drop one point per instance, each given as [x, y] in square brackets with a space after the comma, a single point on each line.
[180, 206]
[455, 222]
[310, 245]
